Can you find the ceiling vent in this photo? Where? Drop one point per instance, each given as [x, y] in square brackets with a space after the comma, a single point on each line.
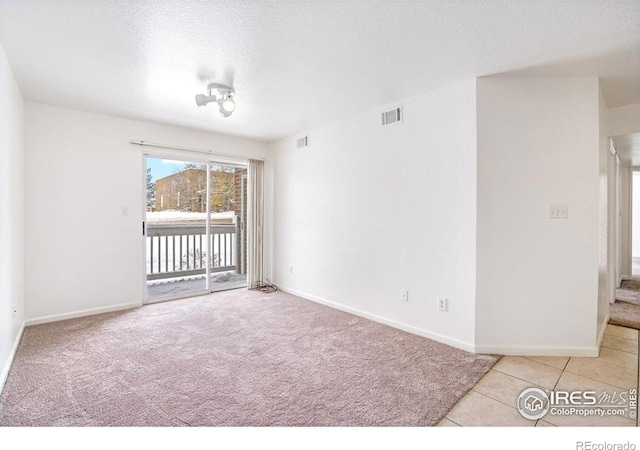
[303, 142]
[393, 116]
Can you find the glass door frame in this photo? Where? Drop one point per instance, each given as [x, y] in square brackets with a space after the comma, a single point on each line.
[209, 161]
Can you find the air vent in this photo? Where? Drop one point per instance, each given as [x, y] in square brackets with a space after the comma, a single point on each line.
[393, 116]
[303, 141]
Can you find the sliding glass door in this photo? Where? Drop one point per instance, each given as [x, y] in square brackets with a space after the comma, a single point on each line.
[228, 218]
[193, 228]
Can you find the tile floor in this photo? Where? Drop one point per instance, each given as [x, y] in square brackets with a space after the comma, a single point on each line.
[492, 402]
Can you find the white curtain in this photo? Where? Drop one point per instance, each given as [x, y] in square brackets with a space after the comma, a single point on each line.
[255, 222]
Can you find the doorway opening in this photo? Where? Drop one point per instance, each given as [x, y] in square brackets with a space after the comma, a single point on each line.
[194, 228]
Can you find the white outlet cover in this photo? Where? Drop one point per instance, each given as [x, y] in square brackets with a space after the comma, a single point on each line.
[443, 304]
[558, 211]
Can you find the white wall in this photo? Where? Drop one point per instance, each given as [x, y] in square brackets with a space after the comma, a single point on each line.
[81, 254]
[624, 120]
[367, 210]
[625, 221]
[362, 213]
[11, 215]
[537, 278]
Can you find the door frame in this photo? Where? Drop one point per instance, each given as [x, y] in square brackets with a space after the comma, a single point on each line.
[632, 171]
[188, 157]
[244, 205]
[613, 220]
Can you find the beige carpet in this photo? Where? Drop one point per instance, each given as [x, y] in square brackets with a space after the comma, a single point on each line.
[625, 314]
[625, 311]
[629, 291]
[234, 358]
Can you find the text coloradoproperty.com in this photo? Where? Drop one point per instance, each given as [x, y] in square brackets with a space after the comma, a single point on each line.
[572, 410]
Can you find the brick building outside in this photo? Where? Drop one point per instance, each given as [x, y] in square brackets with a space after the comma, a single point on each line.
[185, 191]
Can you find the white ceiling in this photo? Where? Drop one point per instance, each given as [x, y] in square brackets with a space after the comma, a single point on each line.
[299, 64]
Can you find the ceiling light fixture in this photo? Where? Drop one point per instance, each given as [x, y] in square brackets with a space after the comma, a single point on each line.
[222, 95]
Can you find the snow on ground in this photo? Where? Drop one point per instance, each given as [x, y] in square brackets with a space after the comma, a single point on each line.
[219, 282]
[172, 254]
[186, 216]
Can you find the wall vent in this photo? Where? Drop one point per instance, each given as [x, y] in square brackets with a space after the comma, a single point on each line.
[393, 116]
[303, 141]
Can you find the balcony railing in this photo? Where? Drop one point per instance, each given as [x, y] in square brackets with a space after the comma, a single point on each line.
[180, 250]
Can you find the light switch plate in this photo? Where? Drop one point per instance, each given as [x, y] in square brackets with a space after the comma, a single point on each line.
[558, 211]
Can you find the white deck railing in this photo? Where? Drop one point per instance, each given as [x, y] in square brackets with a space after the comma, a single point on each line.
[180, 250]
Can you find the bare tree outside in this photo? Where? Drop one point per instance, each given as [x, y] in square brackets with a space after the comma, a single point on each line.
[151, 190]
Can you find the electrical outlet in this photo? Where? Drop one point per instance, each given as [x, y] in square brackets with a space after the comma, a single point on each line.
[443, 304]
[558, 211]
[291, 270]
[124, 210]
[404, 295]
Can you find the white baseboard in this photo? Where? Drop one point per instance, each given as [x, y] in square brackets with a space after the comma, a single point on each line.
[12, 354]
[392, 323]
[85, 312]
[518, 350]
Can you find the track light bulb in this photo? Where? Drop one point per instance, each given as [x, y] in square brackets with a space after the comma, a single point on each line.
[228, 103]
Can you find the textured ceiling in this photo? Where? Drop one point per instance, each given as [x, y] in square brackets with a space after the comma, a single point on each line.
[299, 64]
